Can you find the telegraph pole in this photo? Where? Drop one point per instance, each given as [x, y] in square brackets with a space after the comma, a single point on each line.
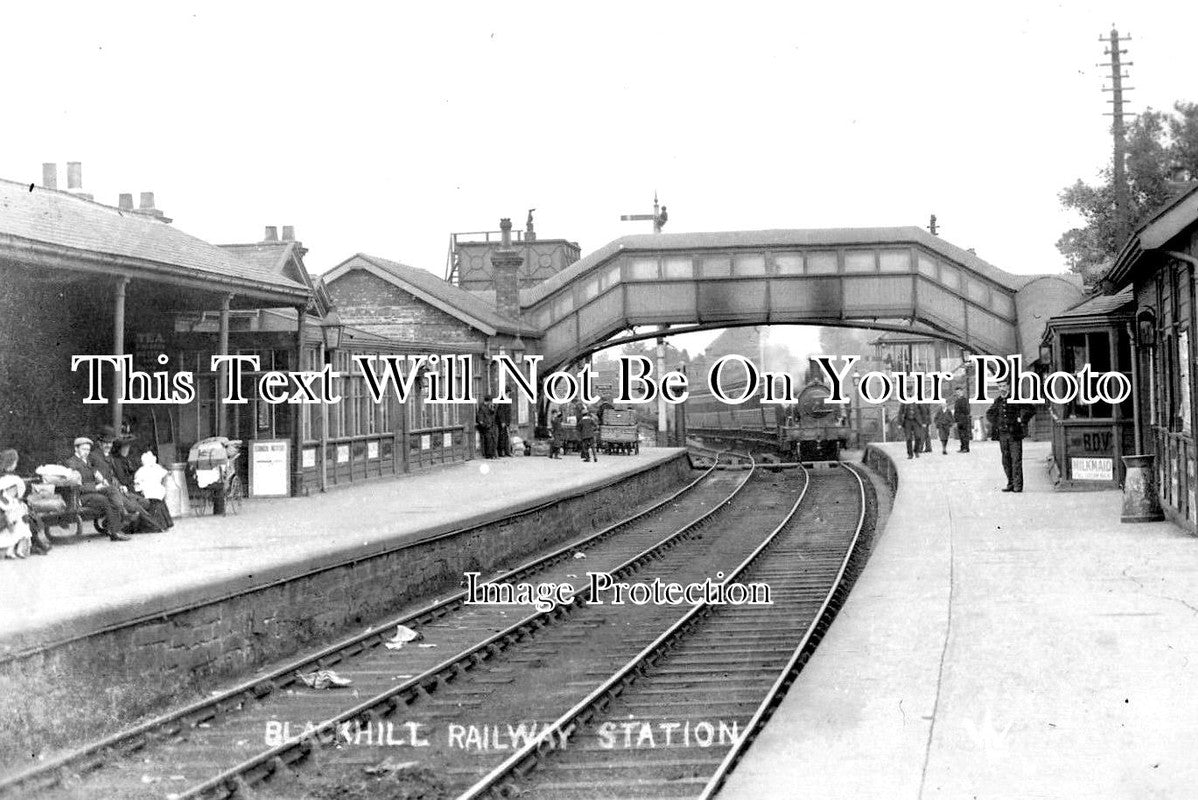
[1118, 129]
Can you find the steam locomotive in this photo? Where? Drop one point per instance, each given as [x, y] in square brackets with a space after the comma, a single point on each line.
[808, 430]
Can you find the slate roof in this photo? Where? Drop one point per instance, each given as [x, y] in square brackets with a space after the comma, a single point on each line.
[62, 220]
[813, 237]
[1121, 301]
[1154, 234]
[474, 309]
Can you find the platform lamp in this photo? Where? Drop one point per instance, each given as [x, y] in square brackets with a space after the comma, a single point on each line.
[332, 329]
[331, 332]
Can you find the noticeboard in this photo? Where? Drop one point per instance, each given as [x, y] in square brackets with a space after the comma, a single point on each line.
[270, 468]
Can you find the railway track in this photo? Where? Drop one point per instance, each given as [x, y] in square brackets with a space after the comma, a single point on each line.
[674, 720]
[163, 756]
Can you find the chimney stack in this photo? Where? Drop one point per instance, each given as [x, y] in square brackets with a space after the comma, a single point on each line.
[74, 176]
[288, 233]
[49, 176]
[125, 202]
[505, 272]
[147, 201]
[272, 234]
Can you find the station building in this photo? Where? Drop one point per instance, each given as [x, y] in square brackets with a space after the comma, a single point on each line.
[84, 278]
[1157, 265]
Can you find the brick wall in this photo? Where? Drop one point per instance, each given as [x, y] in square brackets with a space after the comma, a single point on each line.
[42, 324]
[147, 664]
[369, 302]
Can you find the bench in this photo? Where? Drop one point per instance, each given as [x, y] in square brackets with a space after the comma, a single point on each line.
[73, 515]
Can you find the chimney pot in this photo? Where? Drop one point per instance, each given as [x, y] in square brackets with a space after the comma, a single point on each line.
[125, 202]
[505, 228]
[74, 175]
[49, 176]
[288, 233]
[272, 234]
[147, 200]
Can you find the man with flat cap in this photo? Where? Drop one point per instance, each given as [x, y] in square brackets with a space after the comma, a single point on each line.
[93, 493]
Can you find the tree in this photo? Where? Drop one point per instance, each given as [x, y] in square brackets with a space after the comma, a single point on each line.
[1162, 148]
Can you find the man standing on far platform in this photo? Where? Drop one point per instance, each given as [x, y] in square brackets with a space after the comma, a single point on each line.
[1008, 421]
[913, 418]
[503, 423]
[964, 419]
[484, 421]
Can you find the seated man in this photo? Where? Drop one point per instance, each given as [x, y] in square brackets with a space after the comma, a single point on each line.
[93, 493]
[105, 463]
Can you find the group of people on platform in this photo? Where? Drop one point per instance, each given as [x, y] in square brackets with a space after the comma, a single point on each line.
[1008, 425]
[917, 420]
[493, 422]
[125, 487]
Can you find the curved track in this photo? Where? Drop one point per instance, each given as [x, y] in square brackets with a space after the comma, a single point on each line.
[163, 756]
[675, 719]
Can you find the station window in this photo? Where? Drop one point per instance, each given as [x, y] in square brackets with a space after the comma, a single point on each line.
[610, 278]
[927, 266]
[1077, 350]
[643, 269]
[821, 264]
[789, 263]
[950, 277]
[678, 267]
[859, 261]
[590, 289]
[978, 292]
[894, 261]
[717, 267]
[749, 265]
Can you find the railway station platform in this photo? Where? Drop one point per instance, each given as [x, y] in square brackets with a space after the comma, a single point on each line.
[90, 585]
[997, 645]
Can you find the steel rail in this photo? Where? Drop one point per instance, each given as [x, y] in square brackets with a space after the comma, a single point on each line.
[798, 659]
[256, 769]
[95, 754]
[524, 760]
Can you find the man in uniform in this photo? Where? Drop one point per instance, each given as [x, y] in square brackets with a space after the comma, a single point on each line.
[1008, 423]
[484, 421]
[94, 493]
[962, 415]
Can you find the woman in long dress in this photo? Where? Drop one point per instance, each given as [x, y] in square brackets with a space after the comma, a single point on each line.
[150, 482]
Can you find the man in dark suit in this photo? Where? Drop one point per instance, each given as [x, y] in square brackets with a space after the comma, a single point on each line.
[484, 421]
[94, 492]
[964, 419]
[105, 462]
[913, 419]
[1008, 423]
[503, 423]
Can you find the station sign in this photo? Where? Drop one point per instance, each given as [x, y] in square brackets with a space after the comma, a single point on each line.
[1092, 469]
[270, 472]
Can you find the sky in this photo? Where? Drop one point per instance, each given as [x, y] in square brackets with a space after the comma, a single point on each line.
[382, 128]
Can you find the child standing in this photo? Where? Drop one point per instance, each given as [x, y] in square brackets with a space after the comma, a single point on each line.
[16, 540]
